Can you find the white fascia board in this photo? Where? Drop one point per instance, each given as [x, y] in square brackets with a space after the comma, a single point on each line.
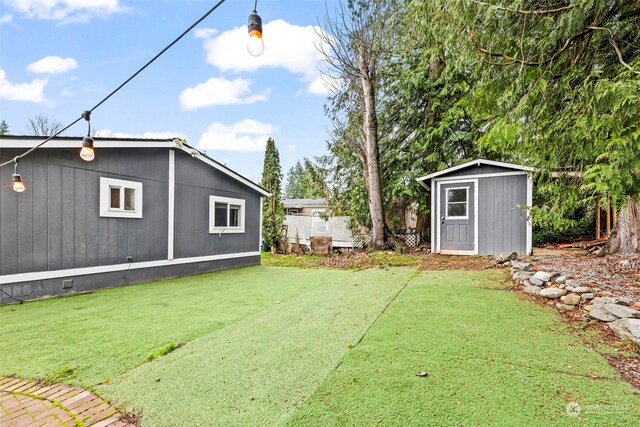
[198, 155]
[422, 183]
[77, 143]
[57, 274]
[477, 162]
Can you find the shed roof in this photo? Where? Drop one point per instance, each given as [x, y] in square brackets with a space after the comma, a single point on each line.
[27, 142]
[476, 162]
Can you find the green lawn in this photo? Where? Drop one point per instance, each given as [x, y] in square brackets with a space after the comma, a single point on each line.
[277, 346]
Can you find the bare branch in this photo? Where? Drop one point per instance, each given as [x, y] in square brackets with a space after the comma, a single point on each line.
[539, 12]
[612, 40]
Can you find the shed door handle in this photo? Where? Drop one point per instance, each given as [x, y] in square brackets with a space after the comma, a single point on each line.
[442, 220]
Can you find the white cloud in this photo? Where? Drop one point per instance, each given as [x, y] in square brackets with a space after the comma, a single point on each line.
[53, 65]
[66, 10]
[219, 91]
[107, 133]
[6, 18]
[288, 46]
[245, 136]
[291, 147]
[204, 33]
[29, 92]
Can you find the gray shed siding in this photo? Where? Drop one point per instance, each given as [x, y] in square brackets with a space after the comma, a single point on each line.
[502, 223]
[195, 182]
[478, 170]
[56, 224]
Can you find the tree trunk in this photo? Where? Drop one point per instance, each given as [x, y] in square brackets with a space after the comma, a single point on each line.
[626, 235]
[372, 166]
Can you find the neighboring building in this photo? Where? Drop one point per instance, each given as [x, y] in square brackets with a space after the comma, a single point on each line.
[141, 210]
[480, 208]
[305, 218]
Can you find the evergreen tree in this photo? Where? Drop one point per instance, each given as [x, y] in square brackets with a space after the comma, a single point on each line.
[304, 181]
[273, 210]
[4, 128]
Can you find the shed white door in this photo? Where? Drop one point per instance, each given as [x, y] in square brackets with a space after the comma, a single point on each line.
[457, 217]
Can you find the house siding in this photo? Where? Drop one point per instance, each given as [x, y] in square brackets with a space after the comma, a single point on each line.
[195, 183]
[478, 170]
[56, 223]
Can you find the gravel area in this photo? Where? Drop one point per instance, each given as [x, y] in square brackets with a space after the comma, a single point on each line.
[617, 275]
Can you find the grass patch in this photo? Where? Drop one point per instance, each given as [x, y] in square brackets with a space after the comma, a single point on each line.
[299, 261]
[277, 346]
[492, 361]
[163, 351]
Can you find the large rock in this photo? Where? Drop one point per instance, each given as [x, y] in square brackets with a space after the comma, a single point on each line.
[552, 293]
[564, 307]
[621, 328]
[544, 276]
[532, 290]
[612, 300]
[622, 311]
[522, 266]
[598, 312]
[561, 279]
[582, 289]
[634, 327]
[535, 281]
[504, 257]
[571, 282]
[588, 296]
[571, 299]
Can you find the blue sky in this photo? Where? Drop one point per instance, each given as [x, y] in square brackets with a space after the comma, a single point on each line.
[60, 57]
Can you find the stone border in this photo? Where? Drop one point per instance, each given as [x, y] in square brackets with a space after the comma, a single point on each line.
[26, 403]
[620, 316]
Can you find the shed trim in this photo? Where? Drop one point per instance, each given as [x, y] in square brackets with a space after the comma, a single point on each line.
[529, 237]
[56, 274]
[477, 162]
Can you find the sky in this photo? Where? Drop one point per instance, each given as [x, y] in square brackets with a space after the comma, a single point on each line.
[59, 58]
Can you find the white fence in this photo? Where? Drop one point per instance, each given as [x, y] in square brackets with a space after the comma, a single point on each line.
[307, 226]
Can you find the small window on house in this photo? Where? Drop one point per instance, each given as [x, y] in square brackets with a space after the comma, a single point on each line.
[457, 203]
[120, 198]
[291, 211]
[226, 215]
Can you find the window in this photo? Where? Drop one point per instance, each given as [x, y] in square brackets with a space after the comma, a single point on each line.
[120, 198]
[457, 203]
[292, 211]
[226, 215]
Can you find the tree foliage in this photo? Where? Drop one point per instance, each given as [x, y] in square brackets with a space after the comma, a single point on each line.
[304, 181]
[4, 128]
[272, 208]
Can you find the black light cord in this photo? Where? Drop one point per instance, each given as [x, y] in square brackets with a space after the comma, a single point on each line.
[11, 296]
[134, 75]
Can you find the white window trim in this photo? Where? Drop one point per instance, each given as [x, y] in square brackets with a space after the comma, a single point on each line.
[105, 197]
[446, 200]
[212, 211]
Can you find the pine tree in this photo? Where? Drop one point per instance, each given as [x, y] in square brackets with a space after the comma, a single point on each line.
[273, 210]
[4, 128]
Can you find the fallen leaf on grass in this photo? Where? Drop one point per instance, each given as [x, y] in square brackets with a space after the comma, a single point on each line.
[421, 374]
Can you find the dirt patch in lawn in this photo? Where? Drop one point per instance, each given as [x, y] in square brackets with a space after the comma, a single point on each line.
[629, 368]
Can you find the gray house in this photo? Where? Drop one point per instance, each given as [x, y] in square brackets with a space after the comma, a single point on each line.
[480, 208]
[142, 209]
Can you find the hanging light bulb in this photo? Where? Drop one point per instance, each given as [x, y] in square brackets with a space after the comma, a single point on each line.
[18, 185]
[87, 153]
[255, 45]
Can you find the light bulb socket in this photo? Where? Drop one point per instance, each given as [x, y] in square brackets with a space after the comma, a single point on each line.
[255, 22]
[87, 141]
[16, 177]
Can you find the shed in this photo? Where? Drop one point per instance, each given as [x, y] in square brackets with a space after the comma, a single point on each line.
[480, 208]
[142, 209]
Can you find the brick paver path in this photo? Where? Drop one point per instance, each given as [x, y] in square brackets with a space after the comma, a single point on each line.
[30, 403]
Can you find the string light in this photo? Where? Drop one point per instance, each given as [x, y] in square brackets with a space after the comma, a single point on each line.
[18, 184]
[255, 45]
[87, 153]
